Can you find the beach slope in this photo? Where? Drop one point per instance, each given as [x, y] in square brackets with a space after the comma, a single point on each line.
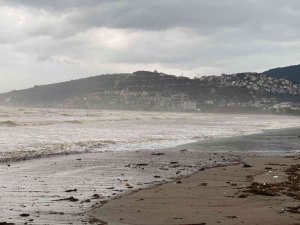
[223, 195]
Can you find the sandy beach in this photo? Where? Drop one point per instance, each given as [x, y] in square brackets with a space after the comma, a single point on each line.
[223, 195]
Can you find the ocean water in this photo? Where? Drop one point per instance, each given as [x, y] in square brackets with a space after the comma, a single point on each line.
[30, 133]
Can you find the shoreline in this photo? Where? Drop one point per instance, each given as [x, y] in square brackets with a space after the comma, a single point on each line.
[191, 145]
[178, 202]
[259, 112]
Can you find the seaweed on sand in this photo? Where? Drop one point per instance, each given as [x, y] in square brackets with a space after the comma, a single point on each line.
[290, 188]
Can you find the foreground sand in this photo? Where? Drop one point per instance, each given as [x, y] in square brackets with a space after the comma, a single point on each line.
[212, 196]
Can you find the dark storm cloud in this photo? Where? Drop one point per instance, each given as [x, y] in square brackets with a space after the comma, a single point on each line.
[260, 19]
[257, 18]
[158, 15]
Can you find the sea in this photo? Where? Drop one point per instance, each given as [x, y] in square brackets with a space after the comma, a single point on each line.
[31, 133]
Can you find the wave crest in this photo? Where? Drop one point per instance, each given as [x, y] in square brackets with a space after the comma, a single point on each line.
[47, 150]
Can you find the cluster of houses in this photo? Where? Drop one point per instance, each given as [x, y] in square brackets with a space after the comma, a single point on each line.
[256, 82]
[259, 82]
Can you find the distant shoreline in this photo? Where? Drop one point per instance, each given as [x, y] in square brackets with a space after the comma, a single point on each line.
[234, 112]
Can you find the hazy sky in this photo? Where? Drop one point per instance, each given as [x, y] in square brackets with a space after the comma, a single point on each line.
[46, 41]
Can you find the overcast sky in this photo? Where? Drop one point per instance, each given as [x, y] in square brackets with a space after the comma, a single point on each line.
[46, 41]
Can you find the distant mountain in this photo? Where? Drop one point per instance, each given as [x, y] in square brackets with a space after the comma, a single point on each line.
[144, 90]
[291, 73]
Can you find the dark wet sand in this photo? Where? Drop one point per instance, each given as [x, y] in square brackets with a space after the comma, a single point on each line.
[62, 189]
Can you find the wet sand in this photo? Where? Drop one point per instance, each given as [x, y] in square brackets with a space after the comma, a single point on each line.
[62, 189]
[214, 196]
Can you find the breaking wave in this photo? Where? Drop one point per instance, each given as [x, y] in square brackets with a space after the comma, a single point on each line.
[14, 123]
[11, 123]
[47, 150]
[8, 123]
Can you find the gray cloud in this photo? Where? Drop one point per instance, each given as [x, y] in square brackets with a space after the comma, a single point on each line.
[66, 39]
[57, 5]
[202, 15]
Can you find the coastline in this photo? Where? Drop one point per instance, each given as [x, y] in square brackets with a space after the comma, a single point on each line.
[219, 195]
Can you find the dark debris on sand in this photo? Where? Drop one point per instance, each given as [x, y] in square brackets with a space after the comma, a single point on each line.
[70, 199]
[158, 153]
[290, 188]
[71, 190]
[295, 210]
[194, 224]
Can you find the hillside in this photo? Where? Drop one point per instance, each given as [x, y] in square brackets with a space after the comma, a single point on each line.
[108, 87]
[291, 73]
[144, 90]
